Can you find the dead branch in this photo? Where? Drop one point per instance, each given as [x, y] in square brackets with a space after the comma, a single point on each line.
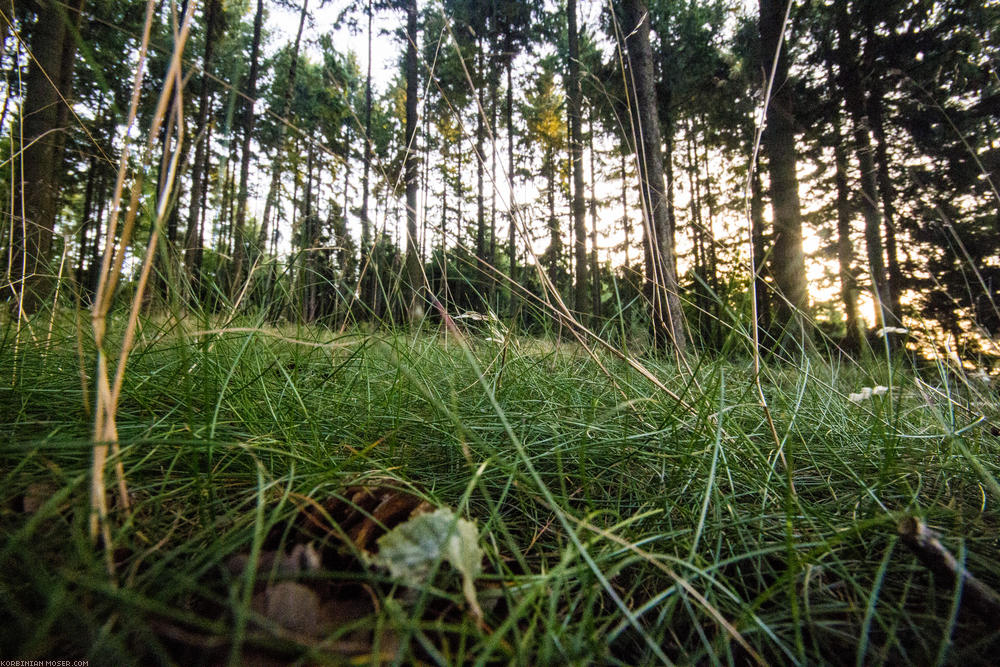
[923, 541]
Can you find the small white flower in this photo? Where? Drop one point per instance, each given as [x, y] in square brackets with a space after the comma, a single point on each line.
[891, 330]
[865, 393]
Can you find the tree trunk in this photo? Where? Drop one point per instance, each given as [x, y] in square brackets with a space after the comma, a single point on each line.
[227, 215]
[224, 228]
[710, 202]
[480, 269]
[850, 82]
[574, 100]
[96, 247]
[491, 268]
[778, 139]
[415, 310]
[668, 172]
[595, 274]
[885, 188]
[626, 219]
[661, 281]
[365, 287]
[711, 254]
[193, 241]
[66, 71]
[701, 297]
[845, 249]
[86, 221]
[4, 31]
[442, 291]
[459, 194]
[511, 229]
[308, 249]
[165, 258]
[425, 188]
[239, 225]
[35, 196]
[286, 107]
[889, 214]
[757, 232]
[553, 254]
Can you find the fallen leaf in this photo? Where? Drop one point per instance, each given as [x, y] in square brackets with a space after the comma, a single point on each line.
[412, 549]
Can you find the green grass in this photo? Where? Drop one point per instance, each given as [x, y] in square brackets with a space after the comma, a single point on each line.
[620, 525]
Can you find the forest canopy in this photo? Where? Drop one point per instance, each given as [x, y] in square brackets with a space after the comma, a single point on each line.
[643, 168]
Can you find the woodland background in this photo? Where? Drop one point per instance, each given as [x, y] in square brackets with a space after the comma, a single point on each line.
[496, 167]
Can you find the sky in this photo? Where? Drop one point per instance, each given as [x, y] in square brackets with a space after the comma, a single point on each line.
[385, 47]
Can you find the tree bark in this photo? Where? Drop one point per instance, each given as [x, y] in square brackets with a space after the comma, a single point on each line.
[626, 219]
[492, 260]
[227, 215]
[574, 100]
[37, 169]
[702, 298]
[96, 247]
[710, 203]
[286, 108]
[365, 286]
[442, 292]
[884, 180]
[193, 240]
[480, 269]
[66, 72]
[415, 310]
[854, 97]
[778, 139]
[668, 172]
[85, 223]
[595, 274]
[758, 233]
[553, 254]
[310, 262]
[845, 249]
[661, 280]
[425, 188]
[511, 229]
[239, 224]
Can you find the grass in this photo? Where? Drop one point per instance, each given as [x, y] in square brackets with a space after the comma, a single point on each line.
[620, 525]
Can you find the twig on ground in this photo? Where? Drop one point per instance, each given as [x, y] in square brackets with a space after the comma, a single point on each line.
[925, 544]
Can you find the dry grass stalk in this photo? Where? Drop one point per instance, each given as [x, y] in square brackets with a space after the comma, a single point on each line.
[108, 392]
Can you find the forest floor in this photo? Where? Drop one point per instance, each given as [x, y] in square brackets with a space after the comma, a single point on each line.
[298, 495]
